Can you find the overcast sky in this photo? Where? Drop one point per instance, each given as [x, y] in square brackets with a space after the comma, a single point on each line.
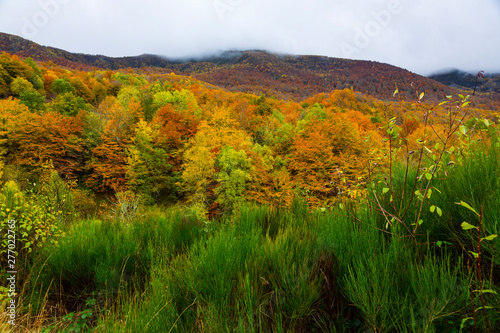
[420, 35]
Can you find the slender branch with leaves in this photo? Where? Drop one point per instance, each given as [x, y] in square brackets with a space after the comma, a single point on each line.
[427, 160]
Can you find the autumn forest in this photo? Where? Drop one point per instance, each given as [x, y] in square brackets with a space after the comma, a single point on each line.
[210, 199]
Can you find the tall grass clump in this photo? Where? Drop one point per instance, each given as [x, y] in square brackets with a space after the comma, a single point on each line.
[106, 260]
[439, 295]
[371, 285]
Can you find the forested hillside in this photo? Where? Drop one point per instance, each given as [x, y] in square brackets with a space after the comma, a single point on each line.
[289, 77]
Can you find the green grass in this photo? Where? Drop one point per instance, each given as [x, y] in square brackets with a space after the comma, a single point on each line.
[106, 259]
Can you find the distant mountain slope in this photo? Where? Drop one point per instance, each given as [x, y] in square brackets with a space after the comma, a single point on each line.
[260, 72]
[25, 48]
[457, 78]
[301, 76]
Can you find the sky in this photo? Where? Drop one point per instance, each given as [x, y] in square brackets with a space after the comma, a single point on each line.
[423, 36]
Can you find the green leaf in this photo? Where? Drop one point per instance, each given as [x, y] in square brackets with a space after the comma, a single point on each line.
[486, 291]
[429, 193]
[421, 96]
[466, 205]
[420, 222]
[439, 243]
[463, 129]
[428, 176]
[419, 195]
[433, 208]
[474, 254]
[462, 325]
[439, 211]
[486, 307]
[385, 190]
[395, 92]
[442, 103]
[490, 237]
[467, 226]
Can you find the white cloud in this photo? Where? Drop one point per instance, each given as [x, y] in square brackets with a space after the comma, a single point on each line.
[421, 36]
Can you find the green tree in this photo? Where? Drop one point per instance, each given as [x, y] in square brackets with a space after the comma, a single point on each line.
[30, 62]
[235, 168]
[33, 100]
[19, 85]
[149, 173]
[67, 104]
[36, 76]
[61, 86]
[182, 100]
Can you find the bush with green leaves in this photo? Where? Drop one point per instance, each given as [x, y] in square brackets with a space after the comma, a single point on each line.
[36, 225]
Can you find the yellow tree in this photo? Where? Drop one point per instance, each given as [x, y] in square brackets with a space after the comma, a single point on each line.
[270, 182]
[199, 172]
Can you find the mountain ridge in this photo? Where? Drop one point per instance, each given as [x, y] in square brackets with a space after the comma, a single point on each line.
[280, 75]
[462, 79]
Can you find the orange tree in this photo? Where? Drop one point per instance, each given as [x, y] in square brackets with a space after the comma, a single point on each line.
[330, 155]
[32, 139]
[112, 127]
